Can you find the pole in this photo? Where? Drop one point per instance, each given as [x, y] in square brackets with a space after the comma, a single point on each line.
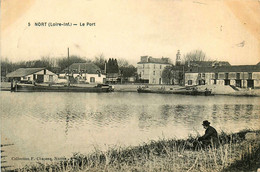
[68, 67]
[68, 60]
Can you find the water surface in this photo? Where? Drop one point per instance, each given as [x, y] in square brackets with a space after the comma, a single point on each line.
[60, 124]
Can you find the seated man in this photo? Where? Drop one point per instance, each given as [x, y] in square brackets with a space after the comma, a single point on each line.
[210, 138]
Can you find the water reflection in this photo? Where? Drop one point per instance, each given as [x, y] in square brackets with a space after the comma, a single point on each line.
[70, 122]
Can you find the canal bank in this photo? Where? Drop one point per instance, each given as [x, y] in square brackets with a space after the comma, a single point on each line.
[237, 152]
[216, 89]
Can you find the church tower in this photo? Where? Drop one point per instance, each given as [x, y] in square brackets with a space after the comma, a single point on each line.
[178, 58]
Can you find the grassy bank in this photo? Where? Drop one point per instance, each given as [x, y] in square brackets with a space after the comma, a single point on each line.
[237, 152]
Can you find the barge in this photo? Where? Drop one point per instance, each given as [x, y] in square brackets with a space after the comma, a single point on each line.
[193, 91]
[61, 88]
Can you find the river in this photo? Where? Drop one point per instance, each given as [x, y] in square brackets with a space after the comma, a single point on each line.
[59, 124]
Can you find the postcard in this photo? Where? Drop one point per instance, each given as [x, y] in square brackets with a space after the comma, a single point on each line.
[128, 85]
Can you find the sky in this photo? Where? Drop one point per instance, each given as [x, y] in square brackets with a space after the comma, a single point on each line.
[225, 30]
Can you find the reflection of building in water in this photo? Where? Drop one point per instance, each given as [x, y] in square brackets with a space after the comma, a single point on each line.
[242, 76]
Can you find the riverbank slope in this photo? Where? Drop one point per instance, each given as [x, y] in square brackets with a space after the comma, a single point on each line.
[237, 152]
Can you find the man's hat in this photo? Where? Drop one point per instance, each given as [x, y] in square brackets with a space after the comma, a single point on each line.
[206, 123]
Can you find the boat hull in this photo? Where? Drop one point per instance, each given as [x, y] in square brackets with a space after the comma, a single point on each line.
[183, 92]
[32, 88]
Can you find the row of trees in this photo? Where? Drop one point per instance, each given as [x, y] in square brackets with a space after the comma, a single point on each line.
[58, 64]
[112, 65]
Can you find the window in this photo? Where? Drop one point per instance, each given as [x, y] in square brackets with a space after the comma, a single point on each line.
[160, 66]
[215, 81]
[92, 79]
[250, 76]
[189, 82]
[24, 77]
[153, 72]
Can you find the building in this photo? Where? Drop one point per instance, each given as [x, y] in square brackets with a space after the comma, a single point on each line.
[242, 76]
[28, 75]
[150, 69]
[112, 78]
[84, 73]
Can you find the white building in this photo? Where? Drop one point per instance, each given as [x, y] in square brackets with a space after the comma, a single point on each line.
[150, 69]
[84, 73]
[38, 75]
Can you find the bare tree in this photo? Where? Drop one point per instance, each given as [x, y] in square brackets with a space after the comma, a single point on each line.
[196, 55]
[122, 63]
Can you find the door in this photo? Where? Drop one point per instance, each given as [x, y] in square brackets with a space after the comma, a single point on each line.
[250, 83]
[227, 82]
[238, 83]
[40, 78]
[50, 78]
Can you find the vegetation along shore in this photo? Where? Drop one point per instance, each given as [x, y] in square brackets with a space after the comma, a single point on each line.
[237, 152]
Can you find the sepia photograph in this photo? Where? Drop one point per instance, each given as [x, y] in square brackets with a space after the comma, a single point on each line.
[130, 85]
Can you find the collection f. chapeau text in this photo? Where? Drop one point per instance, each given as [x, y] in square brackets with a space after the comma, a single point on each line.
[61, 24]
[39, 158]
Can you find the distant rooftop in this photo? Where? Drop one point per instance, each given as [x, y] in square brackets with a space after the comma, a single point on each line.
[89, 68]
[149, 59]
[23, 72]
[208, 63]
[236, 68]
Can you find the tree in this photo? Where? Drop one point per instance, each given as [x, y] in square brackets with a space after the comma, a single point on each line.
[122, 63]
[112, 66]
[128, 71]
[196, 55]
[100, 61]
[167, 75]
[65, 62]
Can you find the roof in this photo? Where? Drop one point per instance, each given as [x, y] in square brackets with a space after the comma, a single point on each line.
[163, 60]
[208, 63]
[89, 68]
[23, 72]
[238, 68]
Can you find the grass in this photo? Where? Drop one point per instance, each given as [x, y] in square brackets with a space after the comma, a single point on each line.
[234, 154]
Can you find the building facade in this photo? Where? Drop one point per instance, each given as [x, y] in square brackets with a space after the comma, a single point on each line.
[242, 76]
[27, 75]
[150, 69]
[84, 73]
